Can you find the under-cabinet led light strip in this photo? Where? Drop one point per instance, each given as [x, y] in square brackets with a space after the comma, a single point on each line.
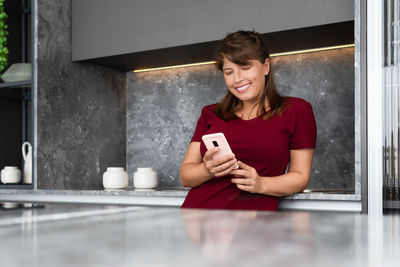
[272, 55]
[311, 50]
[176, 66]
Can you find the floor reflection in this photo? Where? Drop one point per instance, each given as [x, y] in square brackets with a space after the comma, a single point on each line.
[214, 231]
[301, 237]
[220, 233]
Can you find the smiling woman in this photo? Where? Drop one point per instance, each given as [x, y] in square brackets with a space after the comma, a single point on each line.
[244, 59]
[265, 130]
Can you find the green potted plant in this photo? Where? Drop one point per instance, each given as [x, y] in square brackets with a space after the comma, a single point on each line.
[3, 37]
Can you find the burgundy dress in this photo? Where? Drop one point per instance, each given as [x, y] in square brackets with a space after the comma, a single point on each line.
[262, 144]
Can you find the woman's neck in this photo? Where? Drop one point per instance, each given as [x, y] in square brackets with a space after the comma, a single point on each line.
[250, 111]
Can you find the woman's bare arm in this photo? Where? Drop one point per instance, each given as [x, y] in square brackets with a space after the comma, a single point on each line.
[294, 181]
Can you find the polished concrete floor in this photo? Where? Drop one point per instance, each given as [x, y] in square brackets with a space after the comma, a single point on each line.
[94, 235]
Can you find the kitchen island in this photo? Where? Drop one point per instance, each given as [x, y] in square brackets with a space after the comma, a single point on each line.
[105, 235]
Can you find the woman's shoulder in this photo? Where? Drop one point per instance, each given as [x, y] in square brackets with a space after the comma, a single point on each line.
[297, 104]
[210, 108]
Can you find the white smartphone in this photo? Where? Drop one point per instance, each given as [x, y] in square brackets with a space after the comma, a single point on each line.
[217, 140]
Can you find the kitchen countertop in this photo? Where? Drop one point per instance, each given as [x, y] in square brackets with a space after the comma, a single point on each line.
[175, 192]
[173, 197]
[96, 235]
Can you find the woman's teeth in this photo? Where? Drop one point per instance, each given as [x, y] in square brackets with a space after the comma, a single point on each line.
[243, 88]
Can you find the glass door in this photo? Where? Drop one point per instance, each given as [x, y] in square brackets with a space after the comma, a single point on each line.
[391, 104]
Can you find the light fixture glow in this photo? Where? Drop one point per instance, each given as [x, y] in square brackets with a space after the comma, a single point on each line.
[311, 50]
[272, 55]
[176, 66]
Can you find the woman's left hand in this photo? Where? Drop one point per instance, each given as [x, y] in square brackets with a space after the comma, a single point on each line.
[247, 178]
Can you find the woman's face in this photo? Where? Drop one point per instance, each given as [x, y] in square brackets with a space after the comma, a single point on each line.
[246, 82]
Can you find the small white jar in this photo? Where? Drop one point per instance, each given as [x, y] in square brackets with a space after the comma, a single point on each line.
[145, 178]
[10, 205]
[115, 178]
[10, 175]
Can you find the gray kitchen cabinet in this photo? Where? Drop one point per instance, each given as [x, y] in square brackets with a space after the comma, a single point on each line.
[130, 34]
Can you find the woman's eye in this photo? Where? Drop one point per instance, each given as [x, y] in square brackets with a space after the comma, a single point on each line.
[228, 73]
[245, 68]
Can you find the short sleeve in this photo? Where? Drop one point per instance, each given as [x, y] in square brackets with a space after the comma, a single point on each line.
[201, 127]
[305, 131]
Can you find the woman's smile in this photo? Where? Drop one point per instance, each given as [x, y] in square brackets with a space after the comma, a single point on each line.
[243, 88]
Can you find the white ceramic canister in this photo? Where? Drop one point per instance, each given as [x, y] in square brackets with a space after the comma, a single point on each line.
[115, 178]
[10, 205]
[28, 163]
[10, 175]
[145, 178]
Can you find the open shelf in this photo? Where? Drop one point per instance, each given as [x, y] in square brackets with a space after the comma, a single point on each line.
[14, 93]
[26, 83]
[16, 186]
[16, 103]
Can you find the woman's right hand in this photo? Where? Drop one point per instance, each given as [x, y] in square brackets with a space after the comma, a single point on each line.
[221, 166]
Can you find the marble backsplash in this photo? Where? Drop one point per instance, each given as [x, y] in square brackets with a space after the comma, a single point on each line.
[81, 109]
[163, 107]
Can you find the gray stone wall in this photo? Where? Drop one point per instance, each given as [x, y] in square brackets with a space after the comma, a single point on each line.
[81, 110]
[326, 80]
[163, 108]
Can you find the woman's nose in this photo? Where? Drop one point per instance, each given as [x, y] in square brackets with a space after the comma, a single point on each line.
[238, 76]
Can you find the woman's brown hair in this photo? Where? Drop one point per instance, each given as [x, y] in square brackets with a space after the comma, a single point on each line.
[240, 47]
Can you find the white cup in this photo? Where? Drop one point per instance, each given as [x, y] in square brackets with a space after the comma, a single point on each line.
[115, 178]
[10, 175]
[145, 178]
